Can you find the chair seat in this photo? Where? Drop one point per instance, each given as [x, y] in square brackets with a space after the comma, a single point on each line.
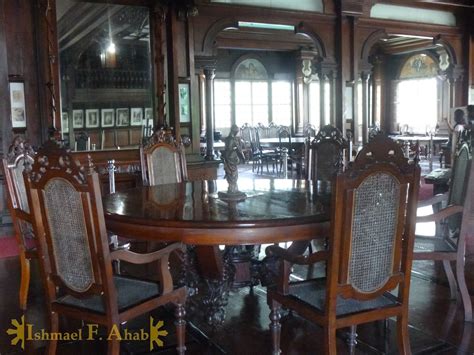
[130, 292]
[313, 293]
[433, 244]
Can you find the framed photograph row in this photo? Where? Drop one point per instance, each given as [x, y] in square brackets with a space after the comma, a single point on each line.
[107, 117]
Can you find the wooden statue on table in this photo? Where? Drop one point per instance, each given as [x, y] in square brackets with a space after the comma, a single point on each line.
[232, 157]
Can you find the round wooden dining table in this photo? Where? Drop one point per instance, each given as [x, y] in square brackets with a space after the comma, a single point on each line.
[275, 210]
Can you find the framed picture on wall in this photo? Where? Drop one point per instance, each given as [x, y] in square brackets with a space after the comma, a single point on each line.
[184, 104]
[107, 117]
[17, 102]
[64, 122]
[92, 119]
[136, 116]
[123, 117]
[77, 118]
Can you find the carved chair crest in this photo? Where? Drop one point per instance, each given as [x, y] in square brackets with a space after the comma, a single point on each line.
[18, 149]
[54, 156]
[383, 149]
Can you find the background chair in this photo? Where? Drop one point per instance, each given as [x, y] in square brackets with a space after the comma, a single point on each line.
[75, 261]
[163, 160]
[454, 223]
[294, 157]
[369, 253]
[20, 157]
[325, 154]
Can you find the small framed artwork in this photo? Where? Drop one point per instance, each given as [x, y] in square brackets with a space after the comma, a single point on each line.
[17, 101]
[184, 105]
[92, 119]
[123, 117]
[65, 122]
[108, 117]
[137, 116]
[77, 118]
[148, 114]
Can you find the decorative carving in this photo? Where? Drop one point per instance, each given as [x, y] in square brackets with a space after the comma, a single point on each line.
[53, 156]
[162, 135]
[382, 149]
[20, 148]
[329, 133]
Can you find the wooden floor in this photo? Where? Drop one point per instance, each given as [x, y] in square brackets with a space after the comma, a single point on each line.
[436, 322]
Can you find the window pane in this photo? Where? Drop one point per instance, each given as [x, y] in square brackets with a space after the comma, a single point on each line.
[314, 104]
[281, 92]
[260, 92]
[222, 92]
[243, 93]
[243, 114]
[282, 115]
[222, 116]
[260, 114]
[417, 105]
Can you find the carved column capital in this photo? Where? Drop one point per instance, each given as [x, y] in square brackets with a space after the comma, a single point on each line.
[209, 73]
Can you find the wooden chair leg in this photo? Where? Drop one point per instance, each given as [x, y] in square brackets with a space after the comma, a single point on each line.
[403, 338]
[54, 328]
[25, 280]
[180, 324]
[451, 279]
[113, 344]
[330, 344]
[466, 299]
[352, 339]
[275, 327]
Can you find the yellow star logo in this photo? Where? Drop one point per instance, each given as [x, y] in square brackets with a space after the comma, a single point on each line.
[155, 332]
[18, 331]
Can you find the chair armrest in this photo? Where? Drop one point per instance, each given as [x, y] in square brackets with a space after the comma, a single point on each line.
[433, 200]
[138, 258]
[164, 274]
[442, 214]
[318, 256]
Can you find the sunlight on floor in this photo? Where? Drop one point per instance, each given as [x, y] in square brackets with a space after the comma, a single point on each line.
[428, 228]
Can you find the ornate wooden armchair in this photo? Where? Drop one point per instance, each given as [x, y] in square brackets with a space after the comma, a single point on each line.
[369, 252]
[20, 157]
[324, 158]
[454, 224]
[74, 255]
[162, 159]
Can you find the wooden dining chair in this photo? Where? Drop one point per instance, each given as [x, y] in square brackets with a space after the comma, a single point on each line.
[163, 160]
[325, 155]
[454, 223]
[20, 157]
[294, 156]
[369, 253]
[73, 248]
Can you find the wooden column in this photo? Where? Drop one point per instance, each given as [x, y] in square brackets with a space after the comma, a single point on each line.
[157, 24]
[365, 106]
[172, 34]
[322, 100]
[210, 73]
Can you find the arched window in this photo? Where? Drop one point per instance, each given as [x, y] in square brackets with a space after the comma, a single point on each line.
[416, 102]
[252, 96]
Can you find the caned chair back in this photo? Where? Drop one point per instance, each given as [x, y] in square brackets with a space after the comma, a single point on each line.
[163, 160]
[373, 224]
[324, 155]
[66, 203]
[457, 191]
